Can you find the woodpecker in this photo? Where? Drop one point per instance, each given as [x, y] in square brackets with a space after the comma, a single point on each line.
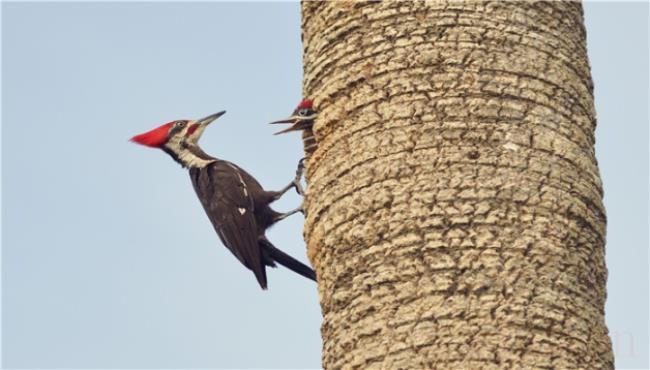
[302, 119]
[234, 201]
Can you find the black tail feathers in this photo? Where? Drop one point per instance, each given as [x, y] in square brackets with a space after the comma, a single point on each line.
[288, 261]
[261, 277]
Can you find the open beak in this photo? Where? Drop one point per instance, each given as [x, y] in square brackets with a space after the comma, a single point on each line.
[297, 123]
[295, 127]
[292, 119]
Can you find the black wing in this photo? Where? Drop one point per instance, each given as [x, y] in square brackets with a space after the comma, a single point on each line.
[229, 206]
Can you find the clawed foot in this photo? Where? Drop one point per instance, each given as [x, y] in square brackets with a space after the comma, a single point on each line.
[296, 181]
[285, 215]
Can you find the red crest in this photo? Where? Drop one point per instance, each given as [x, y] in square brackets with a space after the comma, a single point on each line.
[305, 104]
[155, 138]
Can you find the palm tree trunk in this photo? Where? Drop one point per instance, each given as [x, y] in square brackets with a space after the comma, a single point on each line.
[454, 214]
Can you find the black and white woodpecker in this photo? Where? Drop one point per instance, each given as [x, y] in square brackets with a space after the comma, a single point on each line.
[302, 119]
[234, 201]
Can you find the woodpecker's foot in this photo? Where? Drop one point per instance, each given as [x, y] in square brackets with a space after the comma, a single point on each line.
[301, 167]
[297, 180]
[295, 183]
[287, 214]
[298, 186]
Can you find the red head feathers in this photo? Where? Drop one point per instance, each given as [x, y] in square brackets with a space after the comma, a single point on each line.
[192, 129]
[305, 104]
[155, 138]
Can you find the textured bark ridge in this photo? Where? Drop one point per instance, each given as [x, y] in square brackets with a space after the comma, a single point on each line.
[454, 211]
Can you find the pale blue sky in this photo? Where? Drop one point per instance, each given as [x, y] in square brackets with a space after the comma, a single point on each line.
[108, 260]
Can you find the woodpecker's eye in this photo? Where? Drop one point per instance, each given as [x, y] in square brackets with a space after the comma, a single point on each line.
[304, 112]
[180, 123]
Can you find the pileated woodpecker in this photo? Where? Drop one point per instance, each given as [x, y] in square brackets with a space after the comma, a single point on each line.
[234, 201]
[302, 119]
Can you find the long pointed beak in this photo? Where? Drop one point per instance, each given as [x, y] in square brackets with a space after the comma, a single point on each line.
[195, 131]
[297, 122]
[292, 119]
[295, 127]
[209, 119]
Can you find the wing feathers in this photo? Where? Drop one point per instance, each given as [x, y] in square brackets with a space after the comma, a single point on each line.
[230, 208]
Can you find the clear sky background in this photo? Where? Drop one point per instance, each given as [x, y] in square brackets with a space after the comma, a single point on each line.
[108, 260]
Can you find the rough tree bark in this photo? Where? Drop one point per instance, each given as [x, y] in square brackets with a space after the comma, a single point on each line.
[454, 214]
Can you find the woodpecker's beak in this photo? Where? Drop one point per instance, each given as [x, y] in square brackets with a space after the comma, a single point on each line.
[297, 123]
[292, 119]
[195, 131]
[294, 127]
[209, 119]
